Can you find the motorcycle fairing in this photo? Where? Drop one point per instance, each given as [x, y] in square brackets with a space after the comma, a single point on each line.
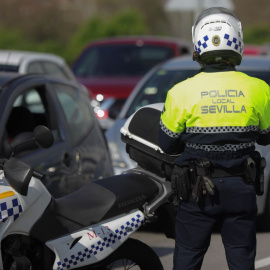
[93, 244]
[10, 210]
[10, 207]
[25, 209]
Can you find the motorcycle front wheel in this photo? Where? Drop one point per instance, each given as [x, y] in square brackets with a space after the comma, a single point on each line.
[134, 255]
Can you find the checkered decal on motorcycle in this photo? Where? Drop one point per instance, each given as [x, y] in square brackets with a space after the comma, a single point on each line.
[101, 245]
[10, 208]
[202, 44]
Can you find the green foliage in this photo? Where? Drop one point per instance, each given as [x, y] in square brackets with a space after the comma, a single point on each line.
[129, 22]
[49, 46]
[12, 39]
[45, 26]
[258, 34]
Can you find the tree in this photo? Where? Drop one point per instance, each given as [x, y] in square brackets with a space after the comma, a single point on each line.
[129, 22]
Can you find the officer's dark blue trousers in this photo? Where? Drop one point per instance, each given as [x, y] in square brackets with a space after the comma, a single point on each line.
[234, 206]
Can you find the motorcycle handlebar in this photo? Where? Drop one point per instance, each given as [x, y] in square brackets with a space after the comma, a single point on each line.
[38, 175]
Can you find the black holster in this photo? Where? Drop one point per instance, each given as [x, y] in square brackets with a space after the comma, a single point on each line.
[181, 184]
[201, 177]
[250, 171]
[260, 177]
[254, 172]
[197, 174]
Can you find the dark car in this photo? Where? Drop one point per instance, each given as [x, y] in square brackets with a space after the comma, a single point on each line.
[153, 88]
[79, 153]
[110, 68]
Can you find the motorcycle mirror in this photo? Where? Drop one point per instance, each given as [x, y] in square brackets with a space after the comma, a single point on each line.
[43, 137]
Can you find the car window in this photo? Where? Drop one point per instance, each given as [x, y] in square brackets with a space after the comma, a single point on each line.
[35, 67]
[31, 100]
[54, 69]
[77, 111]
[9, 68]
[120, 60]
[29, 110]
[49, 68]
[156, 88]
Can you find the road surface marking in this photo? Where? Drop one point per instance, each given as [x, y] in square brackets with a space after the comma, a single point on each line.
[262, 263]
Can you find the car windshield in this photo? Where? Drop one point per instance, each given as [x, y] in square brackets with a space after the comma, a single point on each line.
[120, 60]
[156, 88]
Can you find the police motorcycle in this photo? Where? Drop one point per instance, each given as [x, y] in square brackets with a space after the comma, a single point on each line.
[90, 228]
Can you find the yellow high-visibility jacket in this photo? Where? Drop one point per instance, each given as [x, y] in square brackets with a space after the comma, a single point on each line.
[216, 111]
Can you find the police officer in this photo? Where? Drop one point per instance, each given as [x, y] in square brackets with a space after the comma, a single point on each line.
[218, 114]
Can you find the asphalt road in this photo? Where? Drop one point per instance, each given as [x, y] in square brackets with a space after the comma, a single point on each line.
[215, 257]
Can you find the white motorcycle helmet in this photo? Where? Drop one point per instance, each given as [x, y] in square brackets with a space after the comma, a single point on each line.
[217, 35]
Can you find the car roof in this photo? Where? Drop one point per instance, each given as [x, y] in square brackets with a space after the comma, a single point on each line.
[15, 58]
[9, 77]
[248, 62]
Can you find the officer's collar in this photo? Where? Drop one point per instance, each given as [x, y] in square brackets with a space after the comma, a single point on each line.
[217, 67]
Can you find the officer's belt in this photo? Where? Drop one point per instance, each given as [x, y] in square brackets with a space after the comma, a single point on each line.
[221, 172]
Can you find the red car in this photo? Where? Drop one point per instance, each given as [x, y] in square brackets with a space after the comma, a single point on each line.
[256, 50]
[111, 67]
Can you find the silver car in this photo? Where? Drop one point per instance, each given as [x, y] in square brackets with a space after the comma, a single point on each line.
[25, 62]
[153, 88]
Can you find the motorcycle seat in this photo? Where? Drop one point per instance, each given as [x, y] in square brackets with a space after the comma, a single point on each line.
[96, 201]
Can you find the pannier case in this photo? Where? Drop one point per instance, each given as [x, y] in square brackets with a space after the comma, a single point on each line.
[140, 134]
